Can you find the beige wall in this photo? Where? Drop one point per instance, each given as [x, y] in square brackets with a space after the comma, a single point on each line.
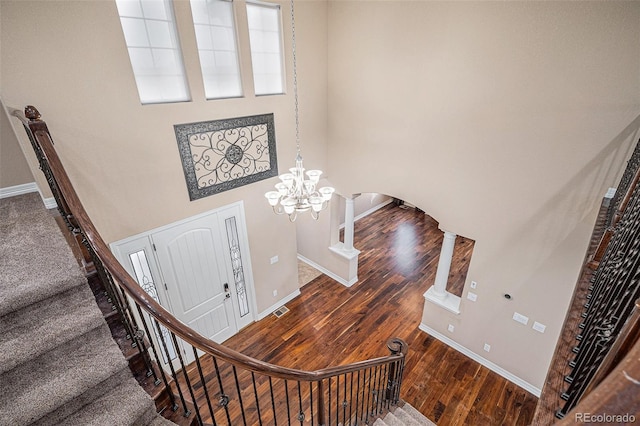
[69, 59]
[14, 169]
[500, 120]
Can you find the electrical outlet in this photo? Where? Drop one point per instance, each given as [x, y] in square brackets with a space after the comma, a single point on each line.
[539, 327]
[474, 284]
[520, 318]
[472, 296]
[451, 328]
[487, 347]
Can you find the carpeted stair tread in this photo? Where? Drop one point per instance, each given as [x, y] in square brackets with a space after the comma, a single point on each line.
[39, 328]
[406, 418]
[391, 420]
[132, 410]
[58, 377]
[406, 415]
[161, 421]
[59, 362]
[29, 271]
[90, 394]
[413, 412]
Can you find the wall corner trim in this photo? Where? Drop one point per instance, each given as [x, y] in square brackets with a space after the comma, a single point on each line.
[485, 362]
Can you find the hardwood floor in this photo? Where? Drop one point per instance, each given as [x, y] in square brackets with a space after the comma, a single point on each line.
[329, 324]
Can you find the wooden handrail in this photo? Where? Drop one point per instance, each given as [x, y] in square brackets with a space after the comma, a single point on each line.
[31, 119]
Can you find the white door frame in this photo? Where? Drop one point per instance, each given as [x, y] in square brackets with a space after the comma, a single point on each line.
[222, 214]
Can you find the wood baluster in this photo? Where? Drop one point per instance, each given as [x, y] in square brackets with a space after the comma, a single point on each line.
[286, 398]
[311, 403]
[204, 386]
[224, 398]
[155, 354]
[321, 421]
[240, 401]
[186, 379]
[273, 402]
[173, 372]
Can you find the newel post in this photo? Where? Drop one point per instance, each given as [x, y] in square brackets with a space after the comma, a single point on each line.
[38, 133]
[394, 379]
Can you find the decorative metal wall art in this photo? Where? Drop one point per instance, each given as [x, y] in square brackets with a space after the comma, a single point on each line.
[225, 154]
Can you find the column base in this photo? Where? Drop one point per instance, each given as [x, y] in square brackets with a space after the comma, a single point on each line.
[447, 301]
[341, 249]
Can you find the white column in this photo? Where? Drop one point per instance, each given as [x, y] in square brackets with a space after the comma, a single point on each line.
[439, 288]
[348, 224]
[345, 250]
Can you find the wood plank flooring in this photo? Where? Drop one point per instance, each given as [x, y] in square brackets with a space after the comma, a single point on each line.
[329, 324]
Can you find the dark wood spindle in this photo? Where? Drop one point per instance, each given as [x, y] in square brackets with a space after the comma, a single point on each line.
[204, 386]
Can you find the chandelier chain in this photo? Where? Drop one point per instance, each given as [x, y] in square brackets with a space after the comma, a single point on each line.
[295, 77]
[297, 193]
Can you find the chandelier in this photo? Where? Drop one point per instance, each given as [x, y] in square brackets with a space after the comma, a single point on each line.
[297, 193]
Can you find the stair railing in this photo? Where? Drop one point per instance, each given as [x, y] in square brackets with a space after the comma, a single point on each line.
[221, 386]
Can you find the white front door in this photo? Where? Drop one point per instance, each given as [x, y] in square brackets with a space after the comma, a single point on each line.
[192, 261]
[199, 269]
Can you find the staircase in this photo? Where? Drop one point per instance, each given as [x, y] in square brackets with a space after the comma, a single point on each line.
[58, 361]
[404, 416]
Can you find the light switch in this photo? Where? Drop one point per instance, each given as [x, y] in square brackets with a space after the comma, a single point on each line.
[520, 318]
[539, 327]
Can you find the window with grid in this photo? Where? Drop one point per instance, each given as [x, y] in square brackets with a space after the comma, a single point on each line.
[154, 49]
[214, 25]
[265, 38]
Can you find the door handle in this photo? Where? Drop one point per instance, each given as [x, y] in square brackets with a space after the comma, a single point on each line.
[226, 290]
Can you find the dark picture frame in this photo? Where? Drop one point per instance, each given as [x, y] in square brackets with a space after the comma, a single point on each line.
[220, 155]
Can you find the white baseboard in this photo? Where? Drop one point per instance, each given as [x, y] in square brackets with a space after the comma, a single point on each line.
[368, 212]
[474, 356]
[328, 272]
[27, 188]
[50, 203]
[272, 308]
[15, 190]
[372, 209]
